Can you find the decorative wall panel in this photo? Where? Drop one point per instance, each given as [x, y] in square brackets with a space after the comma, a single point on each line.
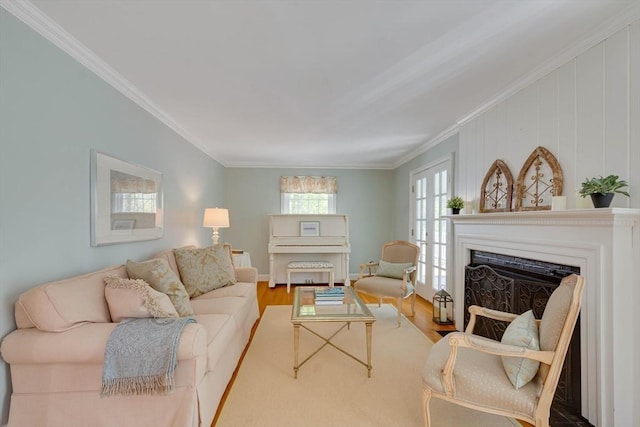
[579, 111]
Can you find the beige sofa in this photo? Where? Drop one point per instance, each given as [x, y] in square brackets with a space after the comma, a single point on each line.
[56, 355]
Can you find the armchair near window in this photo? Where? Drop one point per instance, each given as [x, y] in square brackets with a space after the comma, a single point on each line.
[393, 276]
[492, 376]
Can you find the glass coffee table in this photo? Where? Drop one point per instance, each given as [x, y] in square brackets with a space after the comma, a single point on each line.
[347, 310]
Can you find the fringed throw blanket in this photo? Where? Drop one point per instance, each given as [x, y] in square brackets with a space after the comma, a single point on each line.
[141, 356]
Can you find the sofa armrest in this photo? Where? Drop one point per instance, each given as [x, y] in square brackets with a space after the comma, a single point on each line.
[247, 274]
[84, 344]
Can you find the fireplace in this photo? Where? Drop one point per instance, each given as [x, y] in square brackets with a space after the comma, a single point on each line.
[604, 244]
[515, 285]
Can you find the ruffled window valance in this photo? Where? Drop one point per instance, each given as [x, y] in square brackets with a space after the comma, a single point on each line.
[309, 184]
[124, 183]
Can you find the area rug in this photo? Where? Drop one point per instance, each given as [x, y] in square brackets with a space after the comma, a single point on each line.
[332, 389]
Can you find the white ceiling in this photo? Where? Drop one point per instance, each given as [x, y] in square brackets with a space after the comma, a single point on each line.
[323, 83]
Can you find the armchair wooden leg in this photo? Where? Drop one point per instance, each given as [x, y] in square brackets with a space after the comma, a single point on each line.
[426, 396]
[399, 311]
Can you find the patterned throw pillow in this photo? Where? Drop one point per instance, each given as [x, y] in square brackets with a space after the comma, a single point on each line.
[205, 269]
[523, 332]
[393, 270]
[135, 298]
[157, 273]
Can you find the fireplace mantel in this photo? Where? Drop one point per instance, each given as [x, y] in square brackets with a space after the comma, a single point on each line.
[569, 216]
[605, 245]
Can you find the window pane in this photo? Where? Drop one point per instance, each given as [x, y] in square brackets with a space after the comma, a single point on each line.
[444, 181]
[442, 278]
[308, 203]
[133, 202]
[437, 279]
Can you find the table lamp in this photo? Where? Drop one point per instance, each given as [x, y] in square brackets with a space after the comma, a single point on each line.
[216, 218]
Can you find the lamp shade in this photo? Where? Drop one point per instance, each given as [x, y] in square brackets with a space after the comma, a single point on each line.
[216, 217]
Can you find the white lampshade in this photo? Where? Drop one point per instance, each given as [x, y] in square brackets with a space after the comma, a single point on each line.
[216, 217]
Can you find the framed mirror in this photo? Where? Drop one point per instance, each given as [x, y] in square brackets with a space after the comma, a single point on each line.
[126, 201]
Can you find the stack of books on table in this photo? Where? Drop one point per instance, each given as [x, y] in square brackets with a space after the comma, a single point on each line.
[328, 295]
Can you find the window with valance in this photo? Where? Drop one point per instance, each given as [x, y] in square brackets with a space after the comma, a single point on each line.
[308, 194]
[132, 194]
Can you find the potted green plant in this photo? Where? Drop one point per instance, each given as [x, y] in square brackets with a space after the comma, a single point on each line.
[602, 189]
[455, 203]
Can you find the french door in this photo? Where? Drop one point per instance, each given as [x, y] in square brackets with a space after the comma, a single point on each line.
[430, 191]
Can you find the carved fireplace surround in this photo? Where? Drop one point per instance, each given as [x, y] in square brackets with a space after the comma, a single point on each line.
[605, 245]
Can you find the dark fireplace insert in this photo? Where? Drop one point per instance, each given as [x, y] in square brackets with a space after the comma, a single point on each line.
[515, 285]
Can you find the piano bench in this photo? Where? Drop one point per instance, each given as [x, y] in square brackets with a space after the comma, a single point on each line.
[309, 267]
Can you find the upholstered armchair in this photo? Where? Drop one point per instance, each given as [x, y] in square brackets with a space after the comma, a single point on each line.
[516, 377]
[393, 276]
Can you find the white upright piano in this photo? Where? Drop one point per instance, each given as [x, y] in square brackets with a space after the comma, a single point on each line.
[308, 238]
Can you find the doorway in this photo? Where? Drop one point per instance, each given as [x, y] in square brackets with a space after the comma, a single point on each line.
[430, 189]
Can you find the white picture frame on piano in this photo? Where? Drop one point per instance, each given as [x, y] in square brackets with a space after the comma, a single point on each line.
[309, 228]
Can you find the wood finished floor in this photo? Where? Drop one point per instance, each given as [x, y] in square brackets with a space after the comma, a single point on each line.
[423, 320]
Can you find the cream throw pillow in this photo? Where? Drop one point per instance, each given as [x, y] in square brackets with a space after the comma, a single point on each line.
[523, 332]
[393, 270]
[157, 273]
[135, 298]
[205, 269]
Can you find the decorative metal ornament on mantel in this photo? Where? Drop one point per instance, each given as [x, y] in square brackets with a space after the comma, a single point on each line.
[538, 181]
[497, 189]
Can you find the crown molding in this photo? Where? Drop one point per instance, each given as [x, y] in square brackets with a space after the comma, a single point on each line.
[606, 30]
[603, 32]
[432, 142]
[33, 17]
[250, 165]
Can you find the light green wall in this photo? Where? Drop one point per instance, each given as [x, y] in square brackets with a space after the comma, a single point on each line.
[53, 111]
[365, 195]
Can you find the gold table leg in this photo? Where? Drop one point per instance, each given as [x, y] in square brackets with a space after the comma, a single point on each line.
[296, 343]
[327, 341]
[369, 335]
